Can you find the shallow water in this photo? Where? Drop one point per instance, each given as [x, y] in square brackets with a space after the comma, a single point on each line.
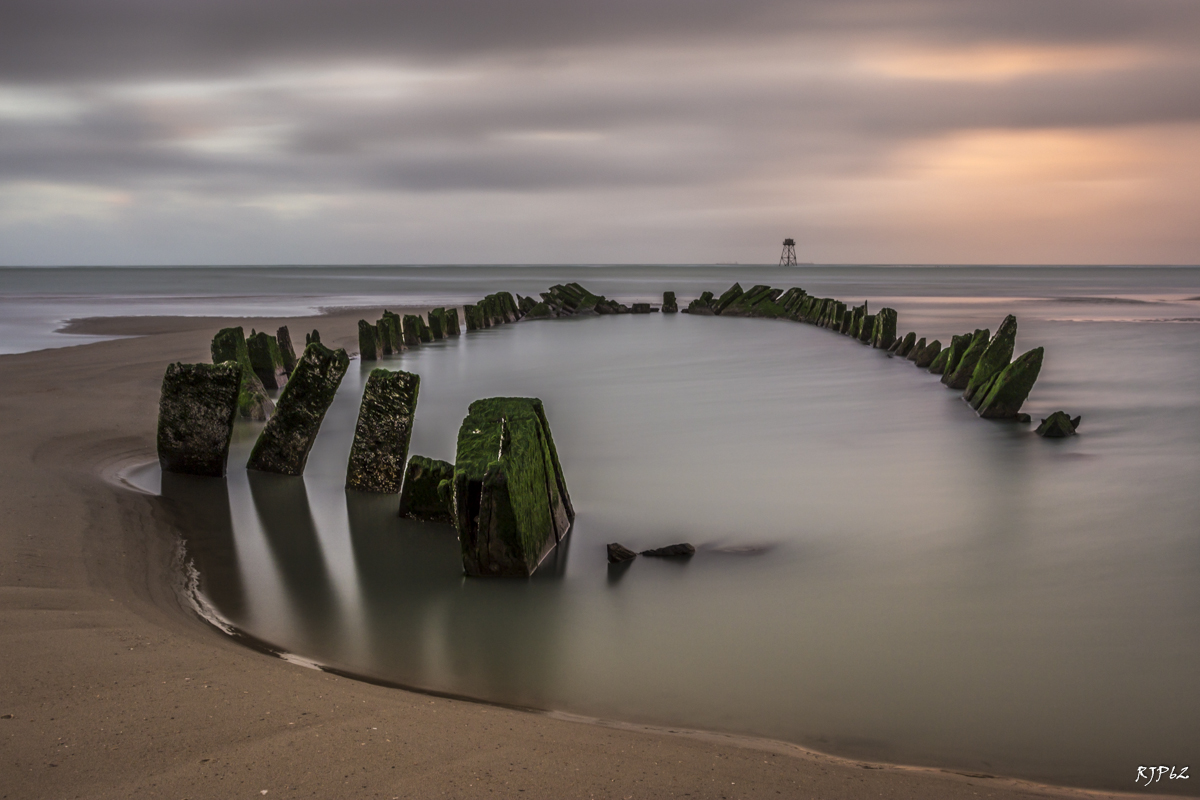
[879, 573]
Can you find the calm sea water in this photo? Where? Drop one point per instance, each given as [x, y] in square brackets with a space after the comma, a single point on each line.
[879, 573]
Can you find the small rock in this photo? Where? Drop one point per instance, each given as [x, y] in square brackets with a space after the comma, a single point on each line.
[619, 552]
[670, 550]
[1058, 425]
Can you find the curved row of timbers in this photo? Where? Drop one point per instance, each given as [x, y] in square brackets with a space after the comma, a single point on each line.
[505, 493]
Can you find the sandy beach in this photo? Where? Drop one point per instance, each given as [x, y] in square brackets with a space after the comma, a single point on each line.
[114, 687]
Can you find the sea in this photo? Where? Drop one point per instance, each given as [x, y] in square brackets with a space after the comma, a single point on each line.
[879, 574]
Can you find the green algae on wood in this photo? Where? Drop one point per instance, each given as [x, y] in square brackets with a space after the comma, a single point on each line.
[437, 323]
[915, 351]
[196, 410]
[383, 431]
[284, 340]
[1009, 389]
[510, 497]
[266, 360]
[412, 330]
[428, 492]
[928, 355]
[669, 304]
[883, 332]
[369, 348]
[1058, 425]
[309, 338]
[995, 357]
[229, 344]
[907, 344]
[284, 443]
[958, 376]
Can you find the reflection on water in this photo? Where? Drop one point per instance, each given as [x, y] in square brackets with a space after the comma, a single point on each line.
[878, 572]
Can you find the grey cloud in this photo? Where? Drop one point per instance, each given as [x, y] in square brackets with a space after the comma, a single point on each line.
[50, 40]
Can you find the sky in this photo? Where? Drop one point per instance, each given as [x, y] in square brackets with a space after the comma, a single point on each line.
[577, 131]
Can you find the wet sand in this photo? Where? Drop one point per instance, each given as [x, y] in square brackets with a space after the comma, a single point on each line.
[113, 687]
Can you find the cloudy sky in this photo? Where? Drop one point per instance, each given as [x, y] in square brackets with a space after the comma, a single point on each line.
[595, 131]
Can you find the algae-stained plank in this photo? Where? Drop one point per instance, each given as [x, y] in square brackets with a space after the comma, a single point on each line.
[368, 341]
[884, 332]
[284, 443]
[1010, 388]
[229, 344]
[383, 431]
[996, 356]
[916, 350]
[196, 410]
[510, 497]
[412, 330]
[437, 323]
[455, 327]
[669, 304]
[928, 355]
[958, 376]
[267, 360]
[428, 492]
[284, 340]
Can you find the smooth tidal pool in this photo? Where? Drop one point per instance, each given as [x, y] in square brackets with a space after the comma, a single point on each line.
[880, 574]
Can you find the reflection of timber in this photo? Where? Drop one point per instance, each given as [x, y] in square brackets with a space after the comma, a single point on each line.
[554, 565]
[506, 633]
[617, 571]
[405, 570]
[199, 510]
[281, 502]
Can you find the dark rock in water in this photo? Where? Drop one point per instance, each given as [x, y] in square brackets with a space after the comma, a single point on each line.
[253, 403]
[384, 428]
[309, 338]
[641, 308]
[1023, 418]
[284, 443]
[266, 360]
[928, 355]
[914, 352]
[412, 330]
[196, 410]
[1004, 395]
[619, 552]
[907, 344]
[669, 304]
[884, 331]
[368, 341]
[1058, 425]
[672, 550]
[428, 490]
[284, 340]
[510, 497]
[957, 376]
[995, 357]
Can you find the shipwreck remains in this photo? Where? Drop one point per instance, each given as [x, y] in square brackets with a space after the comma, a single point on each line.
[196, 410]
[510, 497]
[229, 344]
[284, 443]
[383, 431]
[428, 493]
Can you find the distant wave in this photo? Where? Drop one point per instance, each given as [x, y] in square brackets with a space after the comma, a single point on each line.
[1106, 300]
[1126, 319]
